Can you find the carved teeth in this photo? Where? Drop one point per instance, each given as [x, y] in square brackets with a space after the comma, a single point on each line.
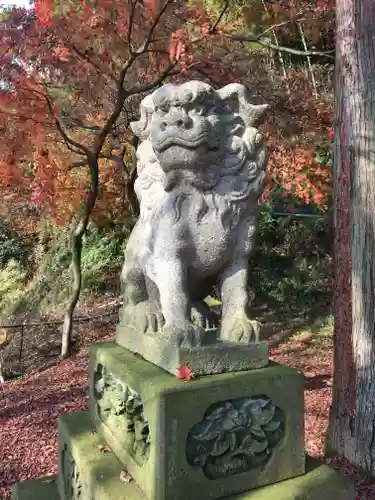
[178, 141]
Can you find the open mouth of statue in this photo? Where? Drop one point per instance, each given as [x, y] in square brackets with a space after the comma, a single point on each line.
[178, 141]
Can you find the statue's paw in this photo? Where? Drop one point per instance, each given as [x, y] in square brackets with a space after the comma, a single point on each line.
[145, 316]
[190, 335]
[237, 327]
[203, 316]
[154, 322]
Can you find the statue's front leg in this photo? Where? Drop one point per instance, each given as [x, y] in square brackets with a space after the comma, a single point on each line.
[236, 326]
[175, 303]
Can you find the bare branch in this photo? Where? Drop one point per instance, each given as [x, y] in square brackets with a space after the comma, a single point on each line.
[131, 20]
[77, 164]
[144, 88]
[85, 163]
[225, 8]
[281, 48]
[279, 54]
[122, 95]
[79, 123]
[313, 81]
[85, 57]
[273, 27]
[68, 140]
[153, 27]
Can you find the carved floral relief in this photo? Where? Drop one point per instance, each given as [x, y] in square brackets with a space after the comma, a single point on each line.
[121, 409]
[73, 489]
[235, 436]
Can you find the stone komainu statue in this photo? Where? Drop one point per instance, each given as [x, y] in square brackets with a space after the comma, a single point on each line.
[201, 169]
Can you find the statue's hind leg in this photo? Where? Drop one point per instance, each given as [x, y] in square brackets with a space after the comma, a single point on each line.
[141, 308]
[133, 284]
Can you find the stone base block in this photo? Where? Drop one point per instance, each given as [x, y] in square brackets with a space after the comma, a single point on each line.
[319, 483]
[44, 488]
[212, 357]
[88, 470]
[205, 439]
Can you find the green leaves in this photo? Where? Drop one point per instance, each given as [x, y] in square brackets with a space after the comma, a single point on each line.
[324, 152]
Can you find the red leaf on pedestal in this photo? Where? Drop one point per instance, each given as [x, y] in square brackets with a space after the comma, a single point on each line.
[185, 372]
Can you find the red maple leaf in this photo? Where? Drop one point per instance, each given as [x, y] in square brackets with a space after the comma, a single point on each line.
[185, 372]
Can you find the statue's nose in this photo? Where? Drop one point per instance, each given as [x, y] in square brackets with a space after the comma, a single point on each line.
[176, 118]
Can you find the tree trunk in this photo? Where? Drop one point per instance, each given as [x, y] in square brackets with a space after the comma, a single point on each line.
[352, 419]
[4, 341]
[2, 373]
[131, 196]
[77, 236]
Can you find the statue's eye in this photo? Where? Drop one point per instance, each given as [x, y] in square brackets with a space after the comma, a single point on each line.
[163, 109]
[200, 110]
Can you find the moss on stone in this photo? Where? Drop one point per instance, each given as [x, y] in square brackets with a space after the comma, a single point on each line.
[174, 408]
[319, 483]
[44, 488]
[99, 469]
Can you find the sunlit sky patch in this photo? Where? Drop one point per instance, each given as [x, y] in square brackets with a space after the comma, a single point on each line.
[15, 3]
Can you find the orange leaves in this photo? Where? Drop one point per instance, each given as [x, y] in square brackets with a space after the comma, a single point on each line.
[206, 28]
[151, 8]
[295, 172]
[62, 53]
[78, 64]
[43, 184]
[177, 47]
[44, 12]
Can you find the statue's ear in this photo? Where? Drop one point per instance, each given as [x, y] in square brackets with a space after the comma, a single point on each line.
[237, 99]
[141, 127]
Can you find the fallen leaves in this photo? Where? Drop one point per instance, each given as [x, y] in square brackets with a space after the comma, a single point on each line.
[30, 408]
[185, 373]
[103, 448]
[29, 412]
[125, 476]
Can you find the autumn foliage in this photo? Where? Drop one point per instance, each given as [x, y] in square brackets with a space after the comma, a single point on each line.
[68, 65]
[72, 76]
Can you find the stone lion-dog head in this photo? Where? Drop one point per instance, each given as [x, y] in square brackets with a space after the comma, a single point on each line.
[197, 136]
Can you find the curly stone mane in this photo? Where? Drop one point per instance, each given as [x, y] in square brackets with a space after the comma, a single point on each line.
[235, 176]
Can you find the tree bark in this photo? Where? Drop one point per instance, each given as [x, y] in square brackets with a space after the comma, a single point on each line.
[77, 236]
[4, 341]
[352, 420]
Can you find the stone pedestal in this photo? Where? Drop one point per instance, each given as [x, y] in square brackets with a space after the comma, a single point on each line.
[209, 438]
[150, 436]
[212, 357]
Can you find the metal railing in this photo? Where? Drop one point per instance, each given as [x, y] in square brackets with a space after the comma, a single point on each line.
[8, 331]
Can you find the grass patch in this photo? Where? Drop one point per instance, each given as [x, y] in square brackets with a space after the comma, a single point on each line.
[12, 284]
[50, 285]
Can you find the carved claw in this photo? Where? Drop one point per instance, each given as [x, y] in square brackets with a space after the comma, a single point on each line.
[144, 316]
[239, 328]
[154, 322]
[203, 316]
[189, 336]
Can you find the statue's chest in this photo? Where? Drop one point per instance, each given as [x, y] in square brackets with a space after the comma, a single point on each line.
[212, 241]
